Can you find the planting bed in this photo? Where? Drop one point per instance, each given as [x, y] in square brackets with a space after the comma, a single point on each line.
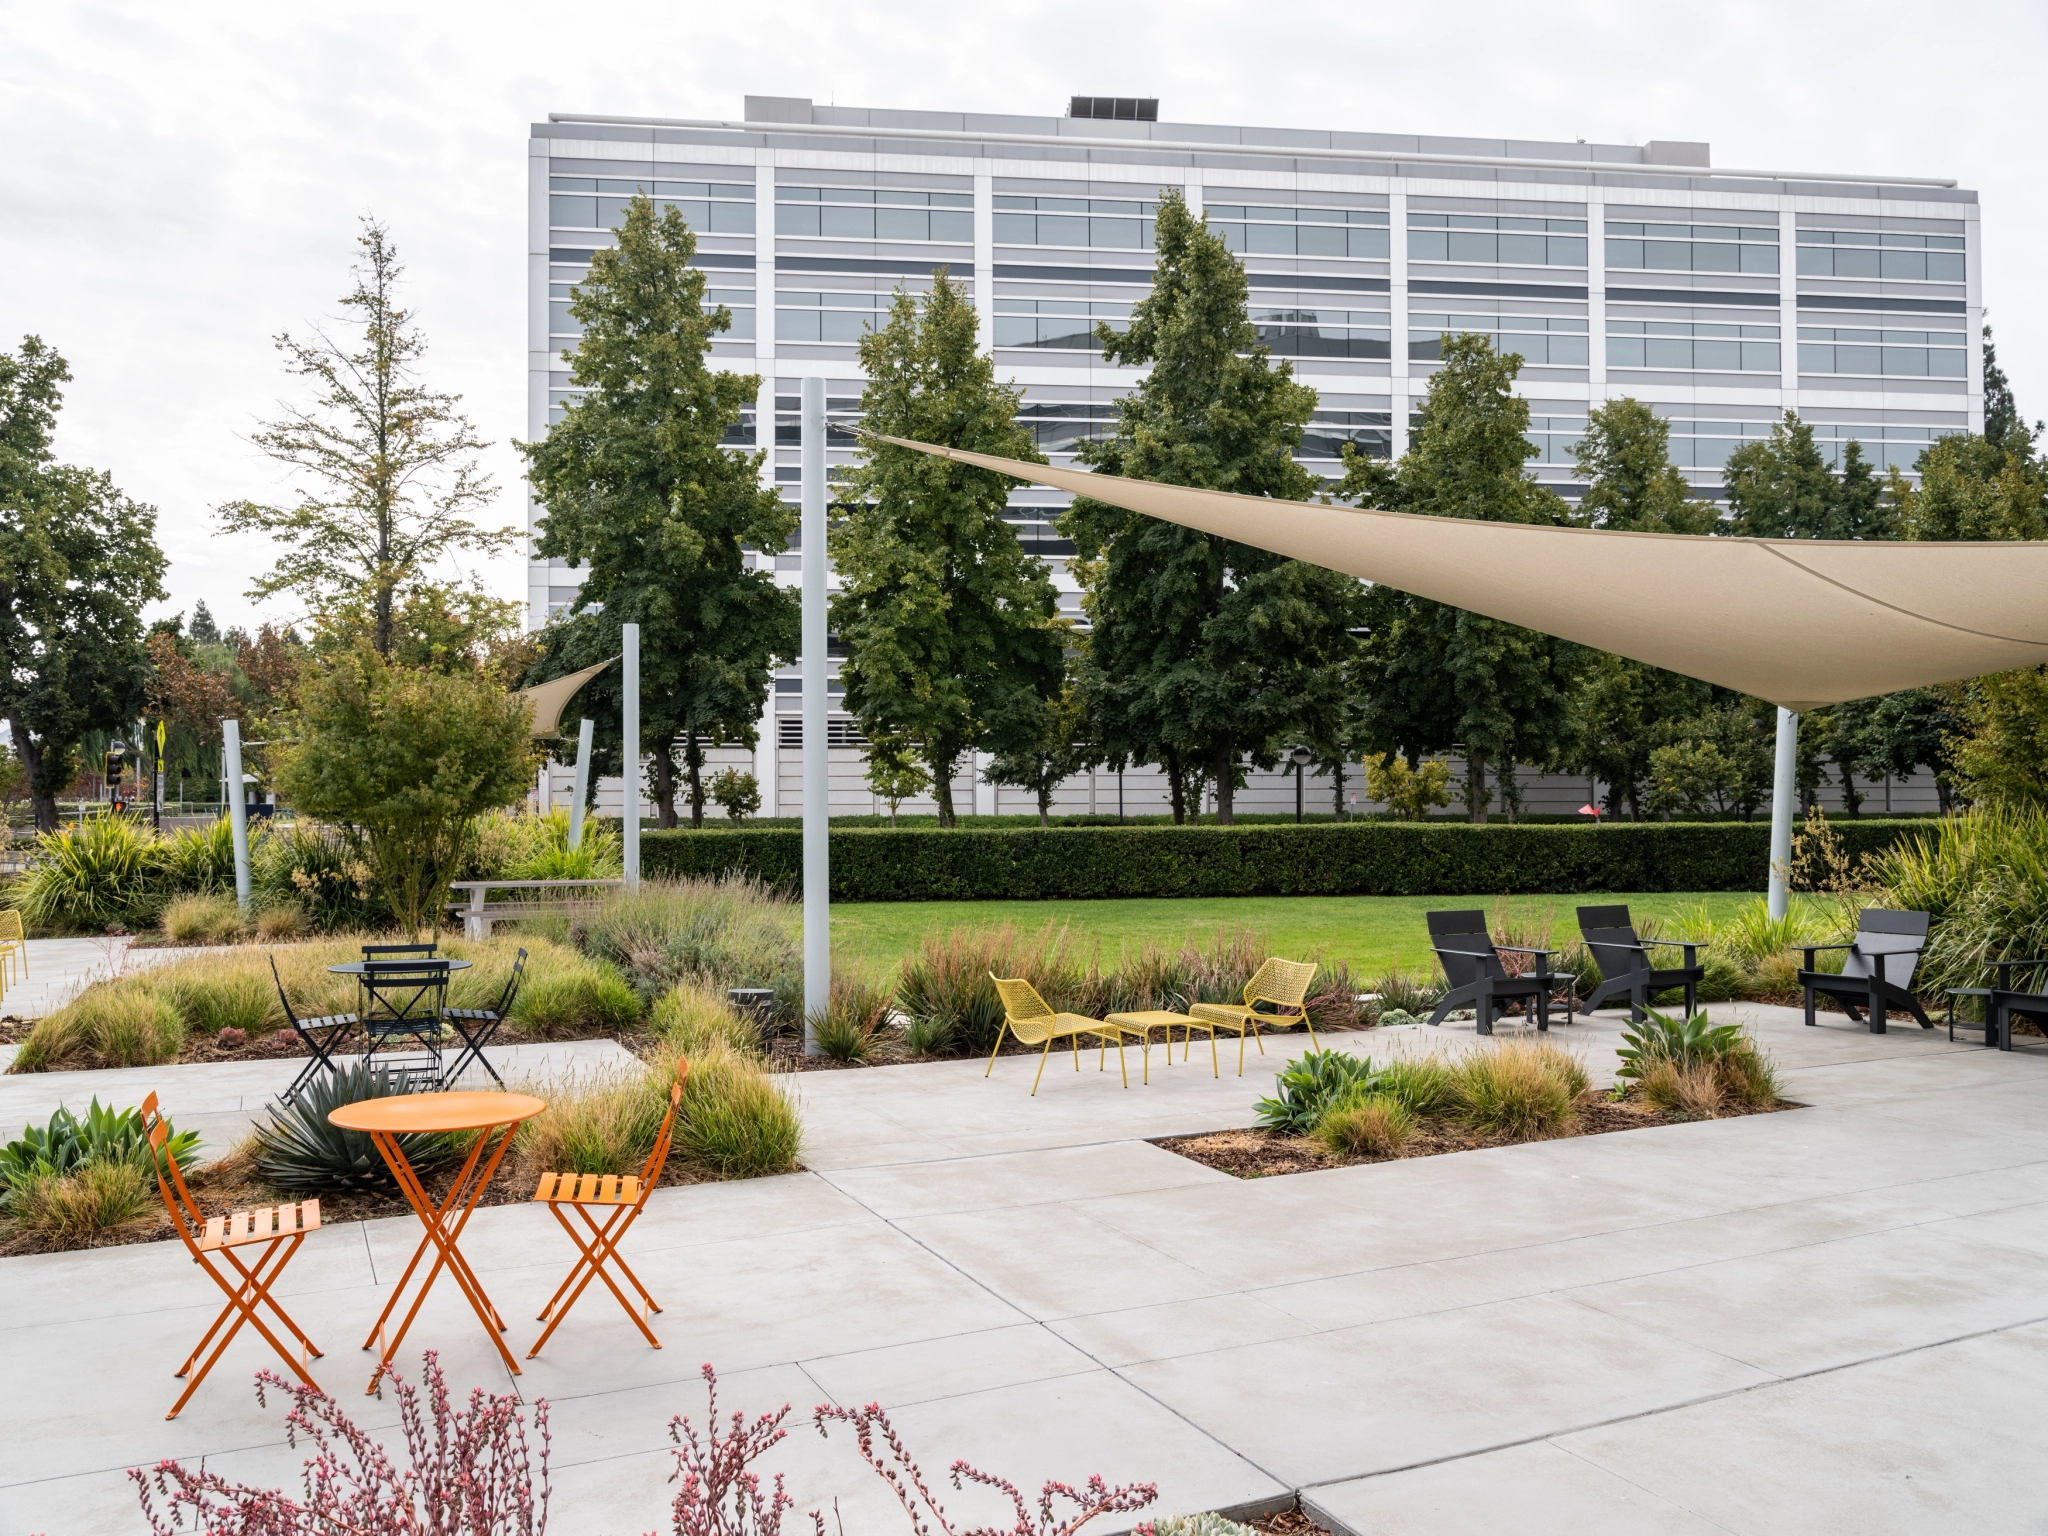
[1259, 1154]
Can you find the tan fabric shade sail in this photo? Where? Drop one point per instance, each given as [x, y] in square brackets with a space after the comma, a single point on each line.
[550, 698]
[1798, 622]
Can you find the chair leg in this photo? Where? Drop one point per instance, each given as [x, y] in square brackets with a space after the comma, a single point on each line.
[1215, 1066]
[1313, 1043]
[1485, 1013]
[1880, 1011]
[1121, 1065]
[1042, 1056]
[1809, 1008]
[1692, 998]
[1000, 1028]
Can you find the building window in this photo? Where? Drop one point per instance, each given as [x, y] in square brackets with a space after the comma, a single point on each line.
[1556, 438]
[1692, 247]
[1100, 223]
[1555, 341]
[1290, 331]
[739, 301]
[1067, 324]
[1370, 434]
[716, 208]
[1883, 353]
[844, 317]
[875, 213]
[1496, 241]
[1687, 344]
[1868, 253]
[1300, 231]
[1061, 427]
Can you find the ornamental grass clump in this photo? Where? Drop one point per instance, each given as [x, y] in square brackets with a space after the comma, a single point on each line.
[132, 1021]
[604, 1121]
[736, 1123]
[1696, 1067]
[732, 932]
[1424, 1085]
[1518, 1089]
[1375, 1125]
[207, 917]
[105, 869]
[849, 1026]
[690, 1019]
[69, 1210]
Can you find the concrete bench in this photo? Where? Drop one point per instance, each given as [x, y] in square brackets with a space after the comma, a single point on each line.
[479, 912]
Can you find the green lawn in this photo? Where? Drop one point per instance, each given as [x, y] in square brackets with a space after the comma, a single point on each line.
[1368, 932]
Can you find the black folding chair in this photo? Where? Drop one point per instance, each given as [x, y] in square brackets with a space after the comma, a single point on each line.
[406, 999]
[482, 1025]
[399, 951]
[1624, 961]
[335, 1027]
[1877, 974]
[1479, 981]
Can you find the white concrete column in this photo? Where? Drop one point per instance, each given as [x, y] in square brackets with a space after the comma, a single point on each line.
[817, 705]
[1973, 298]
[238, 808]
[1596, 295]
[985, 260]
[582, 782]
[629, 756]
[764, 312]
[1397, 312]
[1784, 791]
[1788, 306]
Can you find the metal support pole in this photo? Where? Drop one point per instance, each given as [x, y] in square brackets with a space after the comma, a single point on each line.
[238, 810]
[1783, 792]
[629, 758]
[817, 761]
[1297, 794]
[582, 783]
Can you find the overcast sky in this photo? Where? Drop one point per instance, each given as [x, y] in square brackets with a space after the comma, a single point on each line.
[181, 182]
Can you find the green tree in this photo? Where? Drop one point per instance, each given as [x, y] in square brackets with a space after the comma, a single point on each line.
[390, 464]
[2004, 426]
[1973, 488]
[1917, 728]
[1044, 749]
[1449, 679]
[204, 629]
[1633, 486]
[1205, 653]
[640, 492]
[2002, 756]
[1721, 760]
[949, 626]
[1781, 488]
[78, 560]
[406, 760]
[1621, 711]
[894, 772]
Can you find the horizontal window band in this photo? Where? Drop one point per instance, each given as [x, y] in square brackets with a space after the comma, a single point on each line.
[1288, 282]
[885, 266]
[1901, 306]
[1690, 296]
[1077, 274]
[702, 259]
[1499, 290]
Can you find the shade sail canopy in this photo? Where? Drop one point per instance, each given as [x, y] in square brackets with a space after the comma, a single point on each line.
[1798, 622]
[550, 698]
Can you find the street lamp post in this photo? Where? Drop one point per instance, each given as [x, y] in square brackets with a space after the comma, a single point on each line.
[1300, 758]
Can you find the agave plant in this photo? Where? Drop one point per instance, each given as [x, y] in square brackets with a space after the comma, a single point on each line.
[68, 1143]
[1309, 1085]
[1694, 1042]
[301, 1150]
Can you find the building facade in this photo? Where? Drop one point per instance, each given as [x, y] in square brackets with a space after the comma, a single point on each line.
[1721, 297]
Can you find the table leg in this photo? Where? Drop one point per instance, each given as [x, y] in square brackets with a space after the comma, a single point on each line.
[467, 1190]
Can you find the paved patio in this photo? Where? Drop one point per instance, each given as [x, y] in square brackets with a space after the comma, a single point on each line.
[1829, 1319]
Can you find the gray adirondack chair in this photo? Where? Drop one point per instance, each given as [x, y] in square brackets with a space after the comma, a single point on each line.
[1877, 976]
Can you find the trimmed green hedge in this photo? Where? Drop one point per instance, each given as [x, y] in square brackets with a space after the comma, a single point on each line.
[1371, 858]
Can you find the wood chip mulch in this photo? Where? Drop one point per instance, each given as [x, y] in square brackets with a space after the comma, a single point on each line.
[1259, 1154]
[1288, 1522]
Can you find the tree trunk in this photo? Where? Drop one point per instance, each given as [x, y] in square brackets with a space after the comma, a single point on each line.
[1940, 795]
[1044, 806]
[31, 755]
[664, 768]
[1476, 795]
[942, 784]
[693, 759]
[1852, 799]
[383, 636]
[1337, 791]
[1226, 781]
[1176, 789]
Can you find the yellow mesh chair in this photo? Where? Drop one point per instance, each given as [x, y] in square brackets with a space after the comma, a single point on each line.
[1282, 984]
[13, 946]
[1027, 1016]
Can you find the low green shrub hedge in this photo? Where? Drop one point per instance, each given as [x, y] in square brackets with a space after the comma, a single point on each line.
[1371, 858]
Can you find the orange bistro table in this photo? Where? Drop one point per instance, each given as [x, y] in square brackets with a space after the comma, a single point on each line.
[387, 1119]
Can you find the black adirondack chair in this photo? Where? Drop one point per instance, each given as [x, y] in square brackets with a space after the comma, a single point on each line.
[476, 1026]
[2002, 1000]
[1877, 976]
[1478, 980]
[1626, 966]
[322, 1036]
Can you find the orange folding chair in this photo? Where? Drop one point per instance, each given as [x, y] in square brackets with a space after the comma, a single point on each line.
[279, 1230]
[625, 1196]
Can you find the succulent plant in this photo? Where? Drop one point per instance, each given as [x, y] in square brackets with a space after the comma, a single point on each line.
[301, 1150]
[67, 1143]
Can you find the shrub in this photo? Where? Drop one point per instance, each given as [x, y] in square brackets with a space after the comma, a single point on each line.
[317, 869]
[130, 1022]
[566, 992]
[1308, 1085]
[852, 1019]
[518, 845]
[735, 1122]
[106, 869]
[1693, 1066]
[1377, 1125]
[1364, 858]
[67, 1143]
[300, 1149]
[71, 1209]
[207, 917]
[1693, 1092]
[1427, 1085]
[200, 860]
[716, 933]
[1689, 1042]
[1516, 1089]
[1401, 992]
[241, 998]
[603, 1123]
[691, 1020]
[1983, 878]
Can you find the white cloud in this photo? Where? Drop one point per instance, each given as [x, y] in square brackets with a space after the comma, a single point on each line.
[183, 182]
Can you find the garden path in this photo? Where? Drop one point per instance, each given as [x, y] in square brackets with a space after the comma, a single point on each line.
[1826, 1319]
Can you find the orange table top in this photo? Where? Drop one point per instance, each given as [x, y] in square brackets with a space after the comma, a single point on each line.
[405, 1112]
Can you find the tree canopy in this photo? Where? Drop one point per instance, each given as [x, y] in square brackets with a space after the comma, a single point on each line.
[641, 488]
[1781, 488]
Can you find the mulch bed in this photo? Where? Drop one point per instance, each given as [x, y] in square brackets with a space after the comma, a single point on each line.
[1288, 1522]
[1260, 1154]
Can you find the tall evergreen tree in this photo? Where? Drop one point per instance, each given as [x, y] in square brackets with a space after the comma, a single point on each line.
[1205, 653]
[949, 626]
[1781, 488]
[389, 463]
[640, 490]
[78, 560]
[1974, 488]
[1449, 679]
[2002, 419]
[1633, 486]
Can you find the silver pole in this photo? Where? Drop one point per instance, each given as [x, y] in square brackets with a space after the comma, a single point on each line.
[238, 810]
[629, 758]
[1782, 794]
[582, 783]
[817, 764]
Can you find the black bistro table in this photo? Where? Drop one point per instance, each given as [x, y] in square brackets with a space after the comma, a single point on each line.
[414, 995]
